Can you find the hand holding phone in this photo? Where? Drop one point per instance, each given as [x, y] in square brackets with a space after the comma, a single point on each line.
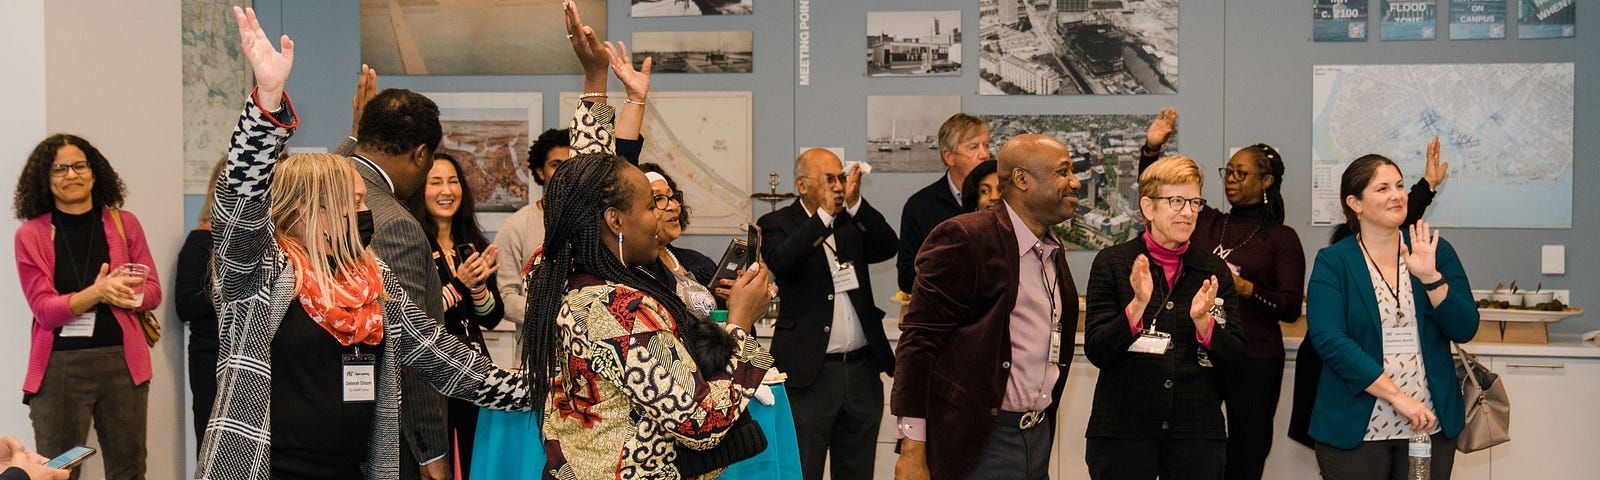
[71, 458]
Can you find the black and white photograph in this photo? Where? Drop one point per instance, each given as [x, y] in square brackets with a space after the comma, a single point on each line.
[905, 44]
[471, 37]
[1078, 47]
[903, 131]
[694, 52]
[690, 8]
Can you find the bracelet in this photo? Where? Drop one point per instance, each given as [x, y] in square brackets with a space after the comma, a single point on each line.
[1435, 285]
[632, 102]
[592, 95]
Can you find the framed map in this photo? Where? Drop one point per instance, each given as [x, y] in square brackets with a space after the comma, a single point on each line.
[216, 77]
[1506, 129]
[704, 140]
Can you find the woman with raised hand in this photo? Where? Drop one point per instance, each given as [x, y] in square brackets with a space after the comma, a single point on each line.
[1383, 306]
[1162, 340]
[314, 326]
[635, 377]
[88, 359]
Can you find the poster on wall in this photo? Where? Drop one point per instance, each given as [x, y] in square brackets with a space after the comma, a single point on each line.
[1408, 20]
[1547, 18]
[704, 139]
[1477, 19]
[1105, 158]
[694, 52]
[1077, 47]
[215, 76]
[690, 8]
[1339, 21]
[489, 134]
[1506, 130]
[505, 37]
[903, 131]
[909, 44]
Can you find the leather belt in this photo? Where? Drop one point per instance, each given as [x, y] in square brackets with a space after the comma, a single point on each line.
[847, 357]
[1028, 419]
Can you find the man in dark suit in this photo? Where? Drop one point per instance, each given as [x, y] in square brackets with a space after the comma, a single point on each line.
[829, 337]
[985, 346]
[963, 144]
[396, 136]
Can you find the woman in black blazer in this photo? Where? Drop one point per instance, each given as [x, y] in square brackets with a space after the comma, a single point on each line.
[1160, 341]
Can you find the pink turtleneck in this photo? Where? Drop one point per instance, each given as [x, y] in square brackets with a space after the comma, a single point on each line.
[1171, 262]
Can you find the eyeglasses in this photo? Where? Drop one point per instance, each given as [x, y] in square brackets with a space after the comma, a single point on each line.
[1233, 174]
[1177, 202]
[829, 178]
[663, 201]
[59, 170]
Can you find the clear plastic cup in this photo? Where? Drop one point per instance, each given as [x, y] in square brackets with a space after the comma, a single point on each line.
[137, 272]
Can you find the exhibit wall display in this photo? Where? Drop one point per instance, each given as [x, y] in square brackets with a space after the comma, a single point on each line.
[489, 134]
[1073, 47]
[471, 38]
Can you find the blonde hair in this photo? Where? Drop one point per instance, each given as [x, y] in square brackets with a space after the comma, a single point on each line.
[207, 208]
[959, 128]
[1175, 170]
[314, 208]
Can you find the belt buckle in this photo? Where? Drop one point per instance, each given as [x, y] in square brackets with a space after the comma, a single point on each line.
[1030, 419]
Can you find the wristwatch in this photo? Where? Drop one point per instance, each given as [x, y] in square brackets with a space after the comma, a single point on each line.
[1435, 285]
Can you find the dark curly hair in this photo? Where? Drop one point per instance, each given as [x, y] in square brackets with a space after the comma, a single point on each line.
[683, 206]
[33, 197]
[397, 120]
[464, 225]
[541, 148]
[969, 187]
[581, 191]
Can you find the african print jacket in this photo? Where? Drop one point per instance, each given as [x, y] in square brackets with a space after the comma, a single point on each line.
[254, 285]
[627, 395]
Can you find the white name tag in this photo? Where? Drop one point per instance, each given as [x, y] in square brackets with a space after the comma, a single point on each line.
[83, 326]
[844, 278]
[1400, 340]
[360, 378]
[1055, 344]
[1155, 343]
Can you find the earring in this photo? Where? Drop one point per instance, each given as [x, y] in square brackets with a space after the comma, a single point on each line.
[621, 256]
[1264, 198]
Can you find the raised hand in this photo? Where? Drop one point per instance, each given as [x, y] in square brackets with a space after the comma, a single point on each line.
[366, 88]
[852, 187]
[1435, 171]
[636, 83]
[1200, 307]
[1143, 286]
[1419, 256]
[270, 66]
[1161, 128]
[750, 296]
[591, 51]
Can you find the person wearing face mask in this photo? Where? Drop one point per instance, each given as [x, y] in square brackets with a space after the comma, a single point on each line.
[88, 360]
[466, 263]
[1161, 341]
[1382, 307]
[982, 188]
[682, 270]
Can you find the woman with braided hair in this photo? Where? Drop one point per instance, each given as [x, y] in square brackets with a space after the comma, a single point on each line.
[631, 369]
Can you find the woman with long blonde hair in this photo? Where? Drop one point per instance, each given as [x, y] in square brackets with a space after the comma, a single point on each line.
[313, 326]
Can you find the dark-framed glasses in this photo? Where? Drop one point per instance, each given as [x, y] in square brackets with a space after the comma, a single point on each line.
[1228, 174]
[1177, 202]
[60, 170]
[663, 201]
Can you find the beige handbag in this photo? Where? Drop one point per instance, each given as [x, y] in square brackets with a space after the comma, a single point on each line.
[1488, 406]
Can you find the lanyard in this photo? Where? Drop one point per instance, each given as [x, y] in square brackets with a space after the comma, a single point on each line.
[1394, 290]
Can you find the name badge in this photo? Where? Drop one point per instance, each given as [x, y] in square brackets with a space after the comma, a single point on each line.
[1400, 340]
[360, 377]
[83, 326]
[1151, 342]
[1055, 343]
[844, 278]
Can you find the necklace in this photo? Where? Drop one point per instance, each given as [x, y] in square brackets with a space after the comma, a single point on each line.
[1222, 239]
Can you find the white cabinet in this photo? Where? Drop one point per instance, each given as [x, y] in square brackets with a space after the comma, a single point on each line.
[1553, 417]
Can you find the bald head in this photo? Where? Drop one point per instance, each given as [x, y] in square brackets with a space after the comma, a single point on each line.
[819, 177]
[1036, 180]
[1032, 152]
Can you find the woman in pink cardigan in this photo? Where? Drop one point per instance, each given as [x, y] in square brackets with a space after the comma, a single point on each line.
[88, 358]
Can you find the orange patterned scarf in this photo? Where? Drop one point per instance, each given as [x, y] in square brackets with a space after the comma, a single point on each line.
[352, 317]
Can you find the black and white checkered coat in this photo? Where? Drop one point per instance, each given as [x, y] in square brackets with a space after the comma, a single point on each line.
[254, 286]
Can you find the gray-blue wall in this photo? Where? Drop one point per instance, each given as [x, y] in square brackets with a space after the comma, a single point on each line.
[1245, 77]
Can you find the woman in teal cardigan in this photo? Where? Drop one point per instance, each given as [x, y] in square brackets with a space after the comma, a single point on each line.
[1383, 306]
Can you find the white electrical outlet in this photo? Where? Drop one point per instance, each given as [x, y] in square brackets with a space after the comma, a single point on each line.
[1553, 260]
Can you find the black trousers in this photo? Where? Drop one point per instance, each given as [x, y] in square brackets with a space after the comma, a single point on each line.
[203, 382]
[1012, 453]
[1383, 459]
[840, 413]
[1250, 396]
[1125, 459]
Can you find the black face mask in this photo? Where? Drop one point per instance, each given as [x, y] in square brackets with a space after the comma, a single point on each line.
[364, 227]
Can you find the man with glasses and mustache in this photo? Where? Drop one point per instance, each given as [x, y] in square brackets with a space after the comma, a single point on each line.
[829, 337]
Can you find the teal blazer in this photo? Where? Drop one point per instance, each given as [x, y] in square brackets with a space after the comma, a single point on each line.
[1343, 325]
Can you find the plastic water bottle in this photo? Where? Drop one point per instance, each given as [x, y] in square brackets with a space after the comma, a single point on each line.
[1421, 453]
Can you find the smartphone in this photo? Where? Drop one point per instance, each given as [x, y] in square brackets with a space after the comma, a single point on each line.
[752, 235]
[71, 458]
[465, 250]
[734, 259]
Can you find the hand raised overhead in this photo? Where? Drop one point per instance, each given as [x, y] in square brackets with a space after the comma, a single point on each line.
[636, 83]
[1161, 128]
[1435, 171]
[270, 66]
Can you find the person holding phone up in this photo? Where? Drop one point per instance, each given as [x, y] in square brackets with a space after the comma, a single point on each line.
[467, 264]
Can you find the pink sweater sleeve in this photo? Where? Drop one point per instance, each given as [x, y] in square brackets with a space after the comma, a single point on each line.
[36, 274]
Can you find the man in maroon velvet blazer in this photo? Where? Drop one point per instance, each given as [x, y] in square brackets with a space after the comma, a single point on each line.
[973, 362]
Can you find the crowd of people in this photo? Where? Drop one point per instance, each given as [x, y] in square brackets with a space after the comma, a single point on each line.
[337, 302]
